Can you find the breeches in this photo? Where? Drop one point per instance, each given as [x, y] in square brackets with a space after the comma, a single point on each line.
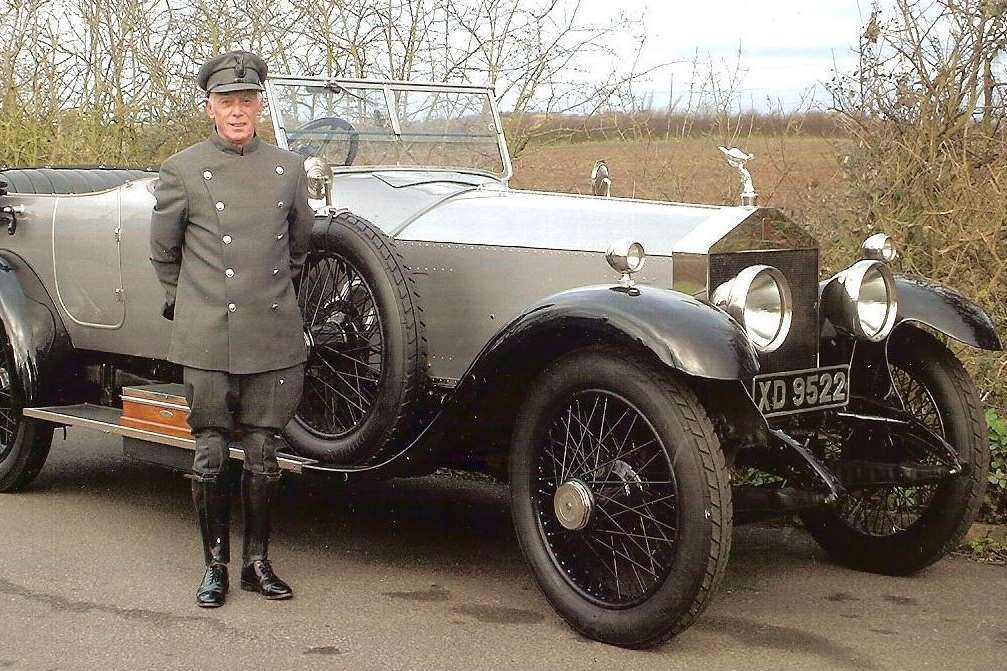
[257, 405]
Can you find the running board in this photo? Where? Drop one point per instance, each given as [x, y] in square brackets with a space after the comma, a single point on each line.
[107, 419]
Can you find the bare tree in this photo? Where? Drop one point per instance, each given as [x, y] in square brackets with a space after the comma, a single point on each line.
[926, 110]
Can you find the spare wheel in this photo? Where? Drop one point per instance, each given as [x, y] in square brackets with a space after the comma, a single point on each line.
[366, 351]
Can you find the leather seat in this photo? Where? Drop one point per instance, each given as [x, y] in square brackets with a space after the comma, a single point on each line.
[68, 180]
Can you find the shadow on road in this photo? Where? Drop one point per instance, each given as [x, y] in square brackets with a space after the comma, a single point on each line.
[443, 548]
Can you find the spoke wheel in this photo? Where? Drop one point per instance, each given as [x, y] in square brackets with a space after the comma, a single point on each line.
[603, 462]
[898, 530]
[884, 511]
[10, 411]
[342, 376]
[366, 357]
[620, 497]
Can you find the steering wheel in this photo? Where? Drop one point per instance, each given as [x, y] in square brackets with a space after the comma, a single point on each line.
[315, 146]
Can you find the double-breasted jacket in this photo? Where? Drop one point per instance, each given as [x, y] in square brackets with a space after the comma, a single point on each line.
[229, 234]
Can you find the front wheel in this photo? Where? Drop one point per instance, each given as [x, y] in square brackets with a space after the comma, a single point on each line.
[620, 497]
[900, 529]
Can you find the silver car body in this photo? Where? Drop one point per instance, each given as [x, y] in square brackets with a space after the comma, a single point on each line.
[481, 251]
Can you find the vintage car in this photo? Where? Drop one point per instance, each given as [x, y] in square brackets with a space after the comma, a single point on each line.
[619, 362]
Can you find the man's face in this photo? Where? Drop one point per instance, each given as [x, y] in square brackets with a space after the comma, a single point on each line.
[235, 114]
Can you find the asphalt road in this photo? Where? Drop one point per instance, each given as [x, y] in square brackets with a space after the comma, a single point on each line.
[100, 558]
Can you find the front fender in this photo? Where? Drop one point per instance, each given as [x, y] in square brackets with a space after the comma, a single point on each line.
[35, 337]
[946, 310]
[682, 332]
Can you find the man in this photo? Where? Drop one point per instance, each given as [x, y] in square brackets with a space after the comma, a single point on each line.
[229, 234]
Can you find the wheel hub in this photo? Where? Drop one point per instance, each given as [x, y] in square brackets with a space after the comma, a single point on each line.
[573, 504]
[631, 483]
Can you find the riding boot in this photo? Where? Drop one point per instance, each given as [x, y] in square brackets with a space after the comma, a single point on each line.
[257, 493]
[212, 501]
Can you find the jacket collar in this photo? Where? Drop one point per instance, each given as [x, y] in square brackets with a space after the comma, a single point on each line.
[240, 149]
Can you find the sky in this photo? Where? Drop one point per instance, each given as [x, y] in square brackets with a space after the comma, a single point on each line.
[787, 46]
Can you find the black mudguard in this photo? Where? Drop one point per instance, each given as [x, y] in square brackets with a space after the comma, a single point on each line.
[946, 310]
[37, 338]
[682, 332]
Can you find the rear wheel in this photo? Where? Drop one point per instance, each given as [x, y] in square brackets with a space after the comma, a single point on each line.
[24, 444]
[620, 497]
[901, 529]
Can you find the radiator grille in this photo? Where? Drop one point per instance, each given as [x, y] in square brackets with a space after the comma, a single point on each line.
[800, 267]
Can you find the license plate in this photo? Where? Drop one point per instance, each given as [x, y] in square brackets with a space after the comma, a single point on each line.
[802, 390]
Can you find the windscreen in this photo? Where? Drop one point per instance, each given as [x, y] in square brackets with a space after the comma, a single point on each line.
[389, 127]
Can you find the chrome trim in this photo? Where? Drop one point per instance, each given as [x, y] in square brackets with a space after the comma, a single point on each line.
[879, 247]
[377, 83]
[279, 132]
[849, 283]
[319, 174]
[732, 297]
[573, 504]
[601, 180]
[619, 252]
[737, 158]
[393, 112]
[159, 404]
[111, 426]
[347, 169]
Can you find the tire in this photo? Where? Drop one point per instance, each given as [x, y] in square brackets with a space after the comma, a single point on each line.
[367, 355]
[900, 530]
[676, 561]
[24, 444]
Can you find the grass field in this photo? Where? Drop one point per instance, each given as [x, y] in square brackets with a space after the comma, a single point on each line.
[791, 173]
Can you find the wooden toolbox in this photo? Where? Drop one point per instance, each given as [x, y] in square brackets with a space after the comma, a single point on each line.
[160, 408]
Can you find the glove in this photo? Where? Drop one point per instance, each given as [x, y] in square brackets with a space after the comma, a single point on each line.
[168, 311]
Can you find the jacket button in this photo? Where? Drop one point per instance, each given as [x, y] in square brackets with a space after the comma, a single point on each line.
[274, 306]
[279, 236]
[229, 272]
[279, 203]
[276, 271]
[226, 239]
[207, 175]
[219, 206]
[279, 170]
[232, 307]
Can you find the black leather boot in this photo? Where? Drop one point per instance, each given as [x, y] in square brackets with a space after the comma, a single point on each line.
[257, 492]
[212, 501]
